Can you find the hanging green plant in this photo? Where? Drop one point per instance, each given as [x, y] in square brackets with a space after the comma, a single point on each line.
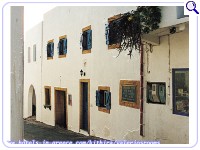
[132, 25]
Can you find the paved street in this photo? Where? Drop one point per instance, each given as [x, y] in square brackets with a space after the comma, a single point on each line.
[38, 131]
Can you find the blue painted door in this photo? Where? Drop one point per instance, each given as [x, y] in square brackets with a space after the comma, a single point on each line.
[85, 106]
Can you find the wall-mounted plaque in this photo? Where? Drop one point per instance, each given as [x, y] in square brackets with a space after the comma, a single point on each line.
[129, 93]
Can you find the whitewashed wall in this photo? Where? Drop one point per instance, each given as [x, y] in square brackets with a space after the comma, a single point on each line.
[102, 68]
[169, 17]
[160, 122]
[32, 74]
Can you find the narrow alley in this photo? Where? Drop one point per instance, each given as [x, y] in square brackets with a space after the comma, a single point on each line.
[40, 132]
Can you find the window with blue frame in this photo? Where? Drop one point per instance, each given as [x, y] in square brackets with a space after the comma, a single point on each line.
[62, 46]
[113, 37]
[50, 49]
[180, 91]
[86, 40]
[103, 99]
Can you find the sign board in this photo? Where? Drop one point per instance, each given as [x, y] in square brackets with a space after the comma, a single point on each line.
[129, 93]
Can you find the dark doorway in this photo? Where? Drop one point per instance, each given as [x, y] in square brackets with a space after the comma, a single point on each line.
[84, 105]
[60, 108]
[33, 103]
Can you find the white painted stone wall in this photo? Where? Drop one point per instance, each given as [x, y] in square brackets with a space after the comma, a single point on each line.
[32, 75]
[160, 122]
[169, 17]
[102, 68]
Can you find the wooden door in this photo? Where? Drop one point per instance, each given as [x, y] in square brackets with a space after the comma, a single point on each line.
[60, 108]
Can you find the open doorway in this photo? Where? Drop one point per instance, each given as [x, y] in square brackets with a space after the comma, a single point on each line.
[61, 107]
[32, 101]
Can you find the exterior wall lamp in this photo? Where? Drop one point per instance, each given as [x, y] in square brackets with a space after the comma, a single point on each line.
[82, 73]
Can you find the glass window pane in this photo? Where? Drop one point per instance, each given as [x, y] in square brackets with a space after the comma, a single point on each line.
[181, 91]
[47, 95]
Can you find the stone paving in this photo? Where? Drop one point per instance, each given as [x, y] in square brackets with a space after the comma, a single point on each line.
[34, 130]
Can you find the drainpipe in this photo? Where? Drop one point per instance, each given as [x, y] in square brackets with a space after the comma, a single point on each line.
[141, 92]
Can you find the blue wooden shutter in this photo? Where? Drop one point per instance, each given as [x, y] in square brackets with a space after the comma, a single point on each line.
[65, 46]
[107, 34]
[89, 39]
[108, 100]
[52, 49]
[97, 98]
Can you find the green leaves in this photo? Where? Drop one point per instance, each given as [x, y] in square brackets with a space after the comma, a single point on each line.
[133, 24]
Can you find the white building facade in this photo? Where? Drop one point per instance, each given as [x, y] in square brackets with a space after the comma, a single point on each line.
[92, 91]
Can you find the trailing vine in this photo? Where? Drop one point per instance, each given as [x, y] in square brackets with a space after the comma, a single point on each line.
[132, 25]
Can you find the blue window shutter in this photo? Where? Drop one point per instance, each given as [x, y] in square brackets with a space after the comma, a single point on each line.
[108, 100]
[65, 46]
[52, 49]
[107, 34]
[97, 98]
[89, 39]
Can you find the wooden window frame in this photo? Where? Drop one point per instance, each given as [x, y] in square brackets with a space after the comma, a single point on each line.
[47, 105]
[103, 109]
[50, 41]
[87, 51]
[60, 38]
[117, 45]
[127, 103]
